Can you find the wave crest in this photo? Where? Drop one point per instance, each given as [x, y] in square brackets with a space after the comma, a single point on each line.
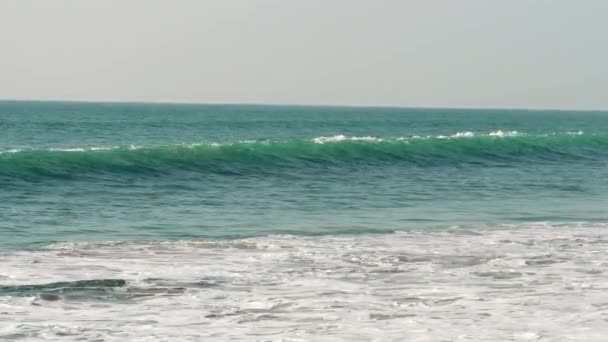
[320, 154]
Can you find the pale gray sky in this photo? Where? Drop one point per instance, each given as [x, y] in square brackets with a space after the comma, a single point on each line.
[456, 53]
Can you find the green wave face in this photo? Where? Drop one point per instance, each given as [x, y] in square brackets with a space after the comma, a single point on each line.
[323, 154]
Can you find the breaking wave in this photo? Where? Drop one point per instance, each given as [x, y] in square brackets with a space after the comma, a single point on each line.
[320, 154]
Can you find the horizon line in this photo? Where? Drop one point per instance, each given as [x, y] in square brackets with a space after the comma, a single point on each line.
[277, 104]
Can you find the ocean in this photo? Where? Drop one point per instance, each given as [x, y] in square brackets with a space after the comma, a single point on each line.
[177, 222]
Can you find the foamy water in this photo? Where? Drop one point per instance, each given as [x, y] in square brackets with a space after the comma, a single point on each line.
[536, 282]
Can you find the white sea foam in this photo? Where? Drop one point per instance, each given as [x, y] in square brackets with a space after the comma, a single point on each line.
[102, 148]
[12, 150]
[74, 149]
[463, 135]
[535, 282]
[466, 134]
[82, 149]
[338, 138]
[500, 133]
[469, 134]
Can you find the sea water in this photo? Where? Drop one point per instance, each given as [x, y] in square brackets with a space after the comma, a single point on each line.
[175, 222]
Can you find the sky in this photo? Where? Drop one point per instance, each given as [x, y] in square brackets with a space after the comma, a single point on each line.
[429, 53]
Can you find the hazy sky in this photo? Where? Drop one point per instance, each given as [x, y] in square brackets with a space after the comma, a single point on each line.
[472, 53]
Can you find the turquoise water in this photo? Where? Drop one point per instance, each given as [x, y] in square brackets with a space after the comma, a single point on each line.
[164, 222]
[100, 171]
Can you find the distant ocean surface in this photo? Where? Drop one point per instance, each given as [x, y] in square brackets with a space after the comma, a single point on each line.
[227, 222]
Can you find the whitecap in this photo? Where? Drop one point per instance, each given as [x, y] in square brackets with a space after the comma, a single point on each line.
[14, 150]
[341, 137]
[466, 134]
[73, 149]
[102, 148]
[500, 133]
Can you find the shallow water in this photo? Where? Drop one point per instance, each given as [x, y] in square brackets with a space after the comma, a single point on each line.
[536, 282]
